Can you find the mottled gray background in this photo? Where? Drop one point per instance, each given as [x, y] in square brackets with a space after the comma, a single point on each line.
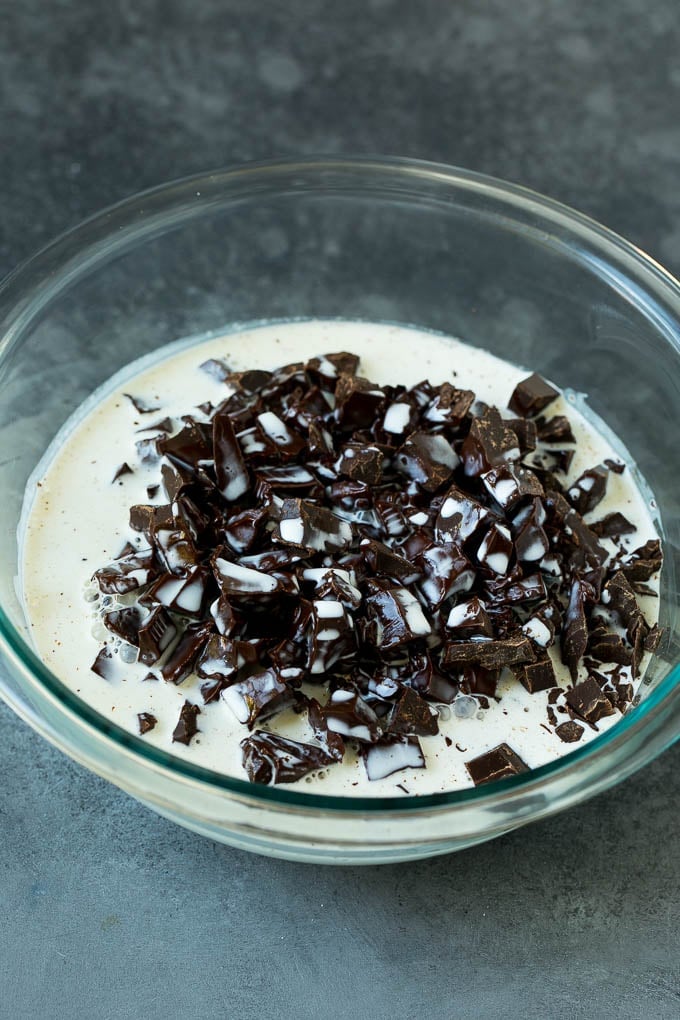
[109, 912]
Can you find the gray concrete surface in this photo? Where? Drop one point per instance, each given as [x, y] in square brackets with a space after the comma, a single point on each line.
[107, 911]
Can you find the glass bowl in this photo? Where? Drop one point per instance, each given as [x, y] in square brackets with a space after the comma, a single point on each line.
[381, 239]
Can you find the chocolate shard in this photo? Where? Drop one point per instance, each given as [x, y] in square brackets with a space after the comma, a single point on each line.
[331, 640]
[608, 647]
[643, 562]
[569, 732]
[536, 676]
[531, 396]
[186, 727]
[449, 406]
[332, 743]
[498, 763]
[186, 594]
[612, 525]
[140, 405]
[653, 638]
[286, 442]
[304, 525]
[588, 702]
[412, 716]
[348, 714]
[129, 572]
[531, 541]
[395, 613]
[107, 665]
[361, 463]
[253, 380]
[217, 368]
[492, 654]
[257, 697]
[219, 659]
[617, 466]
[381, 560]
[574, 639]
[470, 617]
[460, 517]
[269, 758]
[164, 425]
[146, 722]
[124, 469]
[555, 430]
[589, 489]
[619, 596]
[517, 590]
[155, 635]
[174, 547]
[488, 443]
[183, 657]
[239, 582]
[231, 473]
[392, 754]
[124, 623]
[447, 572]
[427, 459]
[526, 433]
[357, 402]
[508, 484]
[190, 448]
[334, 583]
[496, 549]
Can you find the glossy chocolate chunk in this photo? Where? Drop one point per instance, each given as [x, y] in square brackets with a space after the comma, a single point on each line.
[469, 617]
[186, 594]
[332, 743]
[619, 596]
[569, 732]
[608, 647]
[219, 659]
[447, 572]
[304, 525]
[190, 448]
[257, 697]
[509, 485]
[531, 396]
[331, 640]
[349, 715]
[589, 489]
[449, 405]
[182, 659]
[107, 665]
[526, 433]
[489, 442]
[124, 623]
[395, 613]
[412, 716]
[461, 516]
[392, 754]
[269, 758]
[129, 572]
[427, 459]
[574, 639]
[612, 525]
[496, 549]
[187, 727]
[588, 702]
[555, 430]
[357, 402]
[492, 654]
[231, 473]
[498, 763]
[536, 676]
[381, 560]
[362, 463]
[146, 722]
[643, 562]
[155, 635]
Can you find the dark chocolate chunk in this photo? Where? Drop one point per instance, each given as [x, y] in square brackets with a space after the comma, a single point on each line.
[257, 697]
[231, 472]
[447, 572]
[496, 549]
[589, 489]
[491, 654]
[574, 639]
[653, 638]
[531, 396]
[237, 581]
[412, 716]
[106, 664]
[460, 517]
[588, 702]
[509, 485]
[607, 647]
[183, 657]
[617, 466]
[304, 525]
[349, 715]
[141, 406]
[332, 743]
[185, 594]
[569, 731]
[498, 763]
[612, 525]
[331, 640]
[555, 430]
[449, 405]
[129, 572]
[219, 659]
[189, 449]
[146, 722]
[619, 596]
[470, 617]
[269, 758]
[251, 381]
[427, 459]
[155, 635]
[152, 491]
[488, 443]
[125, 623]
[392, 754]
[380, 559]
[357, 402]
[186, 727]
[124, 469]
[643, 562]
[362, 463]
[395, 613]
[536, 676]
[525, 431]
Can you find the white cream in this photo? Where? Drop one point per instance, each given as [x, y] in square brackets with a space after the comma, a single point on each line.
[62, 545]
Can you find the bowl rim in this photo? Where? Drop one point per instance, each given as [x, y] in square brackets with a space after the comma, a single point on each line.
[29, 288]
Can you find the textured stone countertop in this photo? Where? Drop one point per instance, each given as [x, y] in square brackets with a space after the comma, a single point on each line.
[107, 911]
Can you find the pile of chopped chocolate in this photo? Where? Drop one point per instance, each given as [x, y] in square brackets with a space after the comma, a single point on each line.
[393, 546]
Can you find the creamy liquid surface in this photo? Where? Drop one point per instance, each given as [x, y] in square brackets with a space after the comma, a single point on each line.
[76, 520]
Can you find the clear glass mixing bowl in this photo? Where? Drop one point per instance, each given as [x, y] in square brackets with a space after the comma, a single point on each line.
[390, 239]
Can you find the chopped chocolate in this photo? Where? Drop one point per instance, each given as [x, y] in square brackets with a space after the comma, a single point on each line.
[496, 548]
[653, 638]
[257, 697]
[231, 472]
[106, 665]
[141, 406]
[357, 402]
[183, 657]
[331, 742]
[395, 613]
[612, 525]
[124, 469]
[643, 562]
[498, 763]
[536, 676]
[217, 368]
[131, 571]
[304, 525]
[412, 716]
[617, 466]
[460, 517]
[589, 489]
[588, 702]
[449, 405]
[155, 635]
[152, 491]
[531, 396]
[185, 593]
[269, 758]
[492, 654]
[392, 754]
[146, 722]
[380, 559]
[427, 459]
[470, 617]
[607, 647]
[508, 485]
[569, 731]
[488, 443]
[349, 715]
[525, 430]
[575, 631]
[555, 430]
[361, 463]
[125, 623]
[186, 727]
